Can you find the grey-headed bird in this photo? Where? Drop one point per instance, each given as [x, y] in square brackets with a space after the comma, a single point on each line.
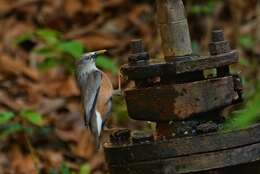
[96, 91]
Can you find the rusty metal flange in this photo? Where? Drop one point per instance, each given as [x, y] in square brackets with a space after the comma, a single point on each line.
[187, 154]
[180, 101]
[179, 66]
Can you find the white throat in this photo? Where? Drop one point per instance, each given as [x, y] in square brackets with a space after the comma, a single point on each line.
[88, 68]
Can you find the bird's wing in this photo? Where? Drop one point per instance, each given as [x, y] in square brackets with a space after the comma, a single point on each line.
[104, 103]
[108, 112]
[90, 89]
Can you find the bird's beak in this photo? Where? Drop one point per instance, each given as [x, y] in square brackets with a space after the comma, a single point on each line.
[101, 52]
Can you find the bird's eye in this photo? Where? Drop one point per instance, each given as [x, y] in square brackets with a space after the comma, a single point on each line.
[93, 57]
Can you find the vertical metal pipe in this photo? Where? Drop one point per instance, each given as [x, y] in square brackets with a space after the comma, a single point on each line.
[174, 29]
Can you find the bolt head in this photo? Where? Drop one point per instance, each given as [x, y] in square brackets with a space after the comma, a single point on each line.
[120, 136]
[218, 43]
[137, 46]
[217, 36]
[138, 54]
[207, 128]
[216, 48]
[141, 137]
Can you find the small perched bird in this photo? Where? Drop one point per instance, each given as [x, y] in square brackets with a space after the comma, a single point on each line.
[96, 91]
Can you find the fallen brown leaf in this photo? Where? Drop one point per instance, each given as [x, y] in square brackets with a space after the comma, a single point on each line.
[17, 67]
[72, 7]
[47, 106]
[57, 88]
[9, 103]
[22, 163]
[99, 41]
[93, 6]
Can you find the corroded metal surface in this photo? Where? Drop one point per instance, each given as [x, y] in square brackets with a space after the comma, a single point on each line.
[181, 146]
[179, 101]
[193, 163]
[185, 155]
[185, 104]
[185, 65]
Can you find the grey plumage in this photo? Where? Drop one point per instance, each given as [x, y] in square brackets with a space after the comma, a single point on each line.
[89, 85]
[96, 101]
[88, 80]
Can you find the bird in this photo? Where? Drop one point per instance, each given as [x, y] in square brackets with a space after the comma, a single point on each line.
[96, 93]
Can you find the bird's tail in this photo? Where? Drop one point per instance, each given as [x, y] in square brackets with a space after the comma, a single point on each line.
[86, 121]
[97, 142]
[95, 128]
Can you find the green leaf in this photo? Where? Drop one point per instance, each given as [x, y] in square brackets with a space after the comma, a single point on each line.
[10, 129]
[244, 62]
[107, 64]
[24, 37]
[246, 42]
[44, 51]
[48, 63]
[5, 117]
[53, 171]
[195, 47]
[120, 110]
[48, 35]
[73, 48]
[85, 169]
[250, 115]
[64, 169]
[33, 117]
[207, 8]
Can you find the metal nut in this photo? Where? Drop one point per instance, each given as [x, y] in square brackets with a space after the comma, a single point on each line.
[218, 45]
[138, 54]
[120, 136]
[207, 128]
[141, 137]
[217, 36]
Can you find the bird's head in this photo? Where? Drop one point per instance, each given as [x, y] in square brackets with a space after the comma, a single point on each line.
[88, 60]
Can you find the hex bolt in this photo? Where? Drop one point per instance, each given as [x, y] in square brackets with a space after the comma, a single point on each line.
[219, 46]
[140, 137]
[138, 54]
[207, 128]
[217, 36]
[137, 46]
[120, 136]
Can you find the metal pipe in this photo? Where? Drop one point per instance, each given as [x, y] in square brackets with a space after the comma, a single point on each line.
[174, 29]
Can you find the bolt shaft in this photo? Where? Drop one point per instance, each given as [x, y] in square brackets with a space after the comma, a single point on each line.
[138, 54]
[137, 46]
[219, 46]
[217, 36]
